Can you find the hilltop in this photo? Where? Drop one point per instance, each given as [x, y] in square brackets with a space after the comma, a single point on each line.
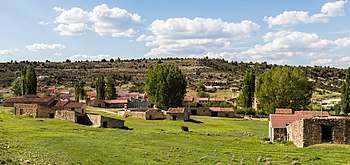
[212, 72]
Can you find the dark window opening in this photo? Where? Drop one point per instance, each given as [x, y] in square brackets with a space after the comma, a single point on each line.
[72, 109]
[51, 115]
[214, 114]
[104, 124]
[20, 111]
[193, 112]
[174, 117]
[326, 133]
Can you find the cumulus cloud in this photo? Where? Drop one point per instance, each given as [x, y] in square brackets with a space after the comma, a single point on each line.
[103, 20]
[289, 18]
[176, 36]
[6, 52]
[37, 47]
[43, 23]
[284, 47]
[82, 57]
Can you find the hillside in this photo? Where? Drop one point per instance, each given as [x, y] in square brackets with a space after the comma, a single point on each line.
[210, 141]
[215, 72]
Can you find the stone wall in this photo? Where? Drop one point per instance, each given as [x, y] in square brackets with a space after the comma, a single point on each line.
[105, 122]
[154, 115]
[26, 109]
[178, 116]
[295, 133]
[44, 112]
[136, 114]
[66, 115]
[340, 131]
[226, 114]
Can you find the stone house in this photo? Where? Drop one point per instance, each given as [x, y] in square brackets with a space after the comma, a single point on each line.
[32, 106]
[146, 113]
[178, 114]
[306, 132]
[212, 111]
[118, 103]
[70, 105]
[278, 122]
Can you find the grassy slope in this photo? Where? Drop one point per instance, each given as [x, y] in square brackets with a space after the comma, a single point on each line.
[225, 140]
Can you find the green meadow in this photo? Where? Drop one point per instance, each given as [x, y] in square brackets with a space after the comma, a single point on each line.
[209, 141]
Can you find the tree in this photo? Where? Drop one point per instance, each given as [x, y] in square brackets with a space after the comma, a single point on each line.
[31, 81]
[16, 87]
[79, 91]
[110, 88]
[23, 82]
[345, 93]
[247, 95]
[202, 94]
[283, 87]
[100, 88]
[165, 85]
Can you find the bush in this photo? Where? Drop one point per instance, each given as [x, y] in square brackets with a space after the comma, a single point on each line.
[203, 94]
[246, 111]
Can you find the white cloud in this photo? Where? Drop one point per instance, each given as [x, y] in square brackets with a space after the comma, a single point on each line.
[36, 47]
[6, 52]
[82, 57]
[323, 61]
[103, 20]
[58, 54]
[289, 18]
[176, 36]
[43, 23]
[334, 9]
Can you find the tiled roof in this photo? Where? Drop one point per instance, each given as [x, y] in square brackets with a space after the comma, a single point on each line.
[74, 105]
[203, 99]
[61, 103]
[176, 110]
[118, 101]
[218, 109]
[281, 120]
[217, 99]
[313, 113]
[29, 100]
[283, 111]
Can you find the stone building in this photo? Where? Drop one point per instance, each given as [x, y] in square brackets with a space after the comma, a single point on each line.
[306, 132]
[212, 111]
[143, 113]
[99, 121]
[177, 114]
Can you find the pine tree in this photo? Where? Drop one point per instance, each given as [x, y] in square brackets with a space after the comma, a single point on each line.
[247, 95]
[23, 81]
[166, 85]
[110, 89]
[31, 81]
[345, 93]
[100, 88]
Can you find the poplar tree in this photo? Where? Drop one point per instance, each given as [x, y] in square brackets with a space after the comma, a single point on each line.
[79, 91]
[110, 88]
[345, 93]
[247, 95]
[31, 81]
[165, 85]
[100, 88]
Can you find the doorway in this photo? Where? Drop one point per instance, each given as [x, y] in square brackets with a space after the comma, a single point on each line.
[174, 117]
[51, 115]
[193, 112]
[104, 124]
[326, 133]
[214, 114]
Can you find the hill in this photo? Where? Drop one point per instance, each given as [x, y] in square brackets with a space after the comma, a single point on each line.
[213, 72]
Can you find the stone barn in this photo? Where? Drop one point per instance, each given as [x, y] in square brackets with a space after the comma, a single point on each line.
[306, 132]
[143, 113]
[178, 114]
[33, 106]
[221, 112]
[279, 122]
[99, 121]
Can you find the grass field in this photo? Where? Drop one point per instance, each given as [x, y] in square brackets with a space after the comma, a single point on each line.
[210, 141]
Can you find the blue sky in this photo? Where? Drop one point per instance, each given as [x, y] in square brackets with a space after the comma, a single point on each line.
[282, 32]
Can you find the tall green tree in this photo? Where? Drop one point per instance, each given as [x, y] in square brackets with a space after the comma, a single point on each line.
[110, 88]
[31, 81]
[79, 91]
[246, 97]
[16, 87]
[345, 93]
[165, 85]
[283, 87]
[100, 88]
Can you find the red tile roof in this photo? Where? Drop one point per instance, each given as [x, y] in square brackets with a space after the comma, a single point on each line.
[217, 99]
[74, 105]
[118, 101]
[283, 111]
[176, 110]
[203, 99]
[218, 109]
[281, 120]
[61, 103]
[29, 100]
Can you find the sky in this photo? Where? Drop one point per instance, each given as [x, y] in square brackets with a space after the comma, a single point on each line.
[294, 32]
